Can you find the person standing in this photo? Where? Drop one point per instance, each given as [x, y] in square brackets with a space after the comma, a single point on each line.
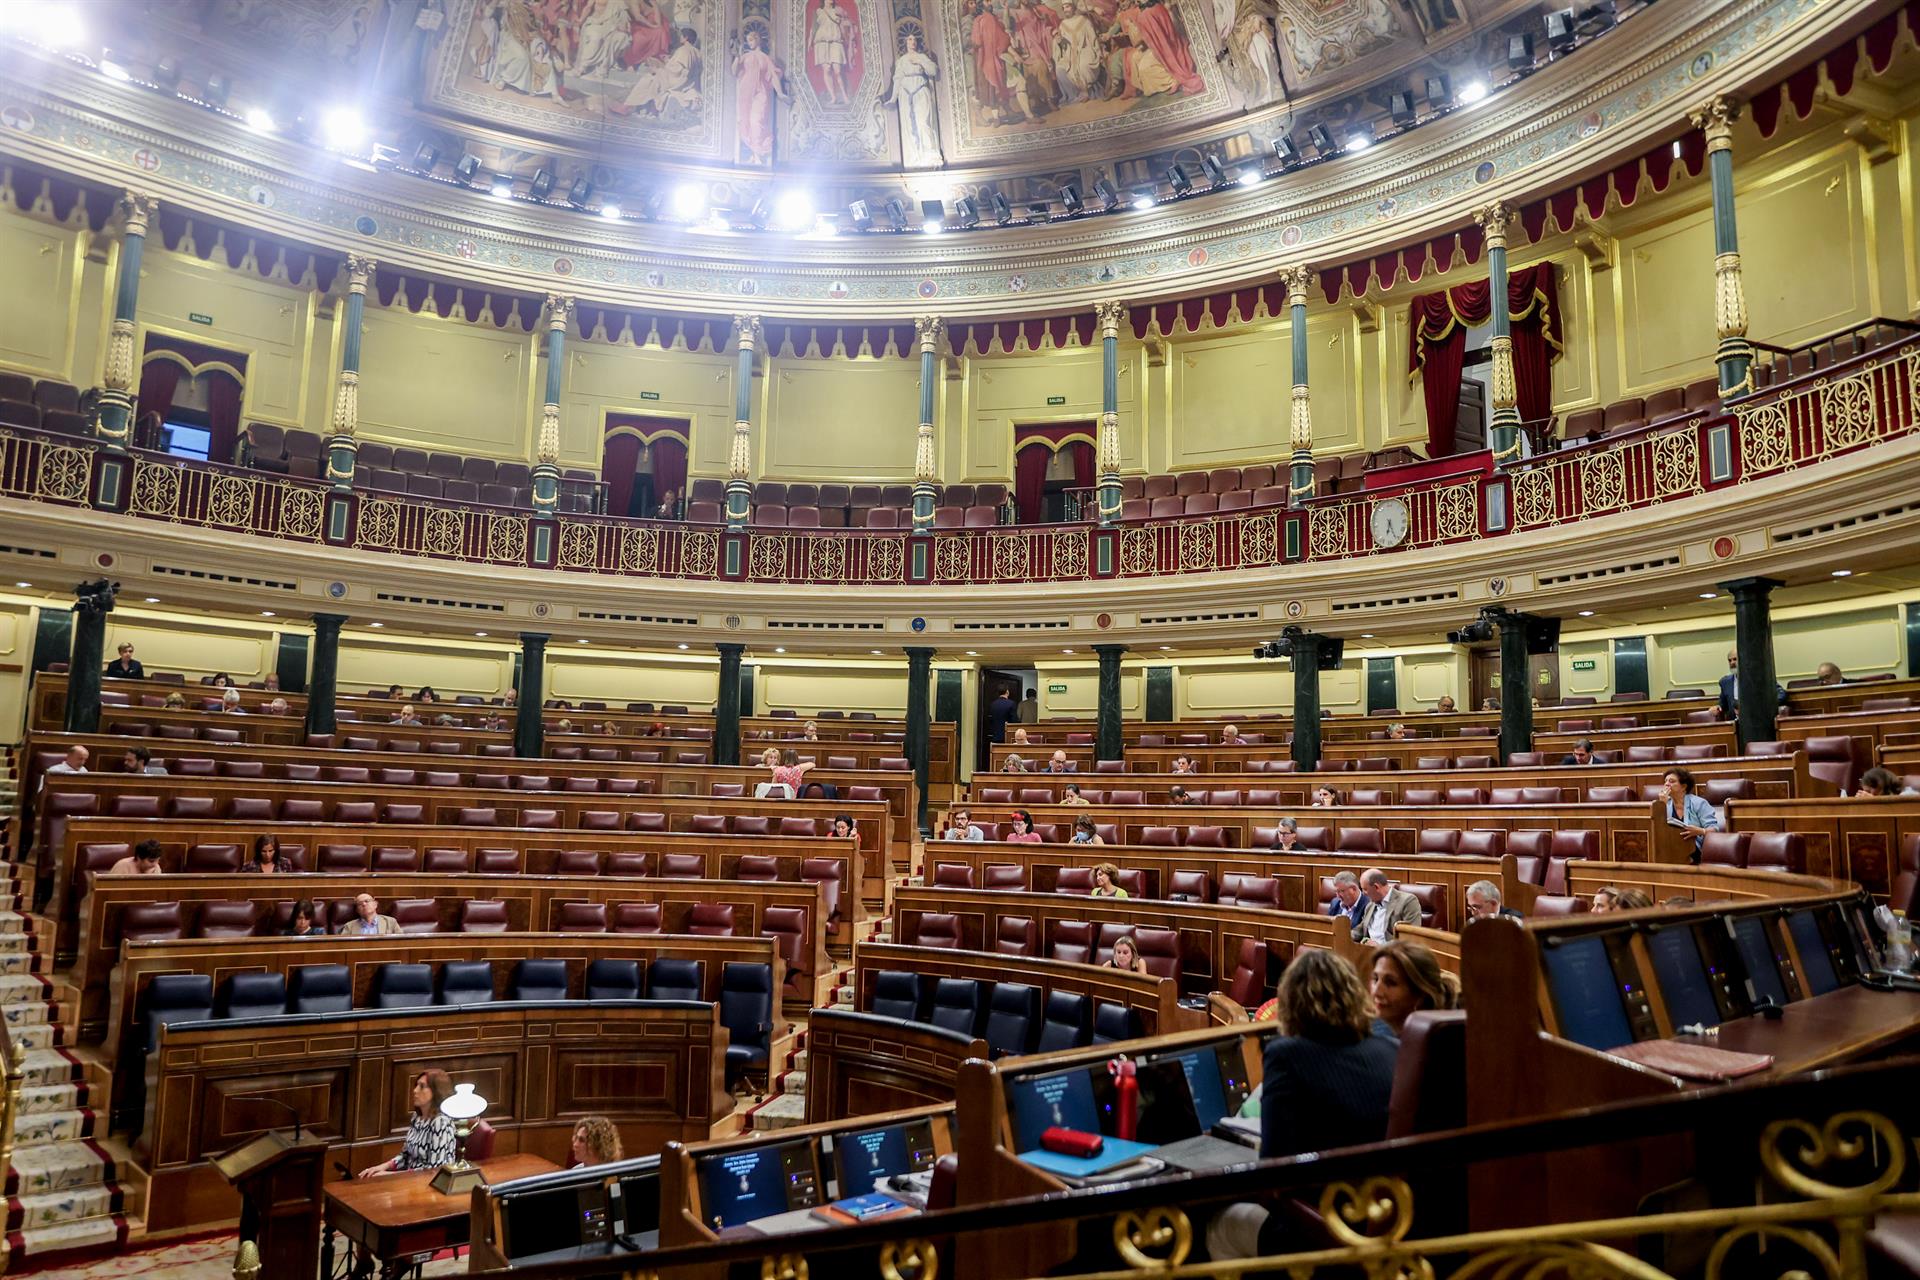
[834, 39]
[126, 666]
[999, 711]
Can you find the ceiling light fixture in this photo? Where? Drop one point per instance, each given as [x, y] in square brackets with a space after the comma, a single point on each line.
[1108, 193]
[780, 648]
[580, 192]
[1177, 179]
[793, 211]
[376, 625]
[1473, 91]
[689, 201]
[502, 187]
[1251, 176]
[112, 68]
[1843, 573]
[896, 213]
[966, 212]
[683, 646]
[1144, 199]
[1285, 150]
[1216, 176]
[259, 119]
[933, 217]
[542, 185]
[1322, 139]
[1070, 197]
[343, 129]
[480, 635]
[1002, 211]
[1709, 595]
[266, 613]
[612, 212]
[23, 584]
[156, 600]
[1586, 613]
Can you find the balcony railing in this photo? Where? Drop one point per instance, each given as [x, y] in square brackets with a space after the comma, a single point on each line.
[1833, 411]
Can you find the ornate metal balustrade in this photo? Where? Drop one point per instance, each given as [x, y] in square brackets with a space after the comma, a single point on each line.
[1847, 408]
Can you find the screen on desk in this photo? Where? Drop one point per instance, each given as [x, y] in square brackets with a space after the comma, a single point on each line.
[865, 1159]
[637, 1203]
[1164, 1111]
[1586, 996]
[1214, 1079]
[758, 1182]
[1761, 959]
[563, 1218]
[1683, 977]
[1816, 962]
[1057, 1098]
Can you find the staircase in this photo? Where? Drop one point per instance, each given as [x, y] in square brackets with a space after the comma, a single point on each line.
[62, 1193]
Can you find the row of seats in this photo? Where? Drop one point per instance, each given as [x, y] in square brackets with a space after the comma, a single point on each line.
[398, 469]
[45, 405]
[1634, 412]
[745, 1004]
[1716, 790]
[1013, 1018]
[173, 921]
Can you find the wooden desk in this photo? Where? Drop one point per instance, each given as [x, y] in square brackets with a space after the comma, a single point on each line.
[390, 1220]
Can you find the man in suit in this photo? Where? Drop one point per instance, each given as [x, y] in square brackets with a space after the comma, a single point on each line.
[367, 920]
[1730, 688]
[1348, 902]
[1387, 909]
[1484, 902]
[126, 666]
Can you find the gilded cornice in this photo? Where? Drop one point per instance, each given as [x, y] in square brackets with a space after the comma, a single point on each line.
[1574, 117]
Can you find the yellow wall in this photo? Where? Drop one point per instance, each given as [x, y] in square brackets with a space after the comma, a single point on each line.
[194, 645]
[604, 378]
[998, 393]
[446, 384]
[41, 261]
[18, 618]
[844, 422]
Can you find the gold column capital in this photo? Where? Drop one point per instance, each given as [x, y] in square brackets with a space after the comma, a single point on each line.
[1111, 316]
[138, 208]
[1493, 219]
[360, 269]
[747, 329]
[559, 311]
[931, 329]
[1299, 280]
[1715, 118]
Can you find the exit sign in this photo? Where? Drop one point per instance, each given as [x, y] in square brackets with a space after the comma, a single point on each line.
[1056, 399]
[1056, 688]
[198, 318]
[1585, 664]
[649, 395]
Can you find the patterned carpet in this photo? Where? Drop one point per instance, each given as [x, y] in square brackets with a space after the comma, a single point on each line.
[202, 1258]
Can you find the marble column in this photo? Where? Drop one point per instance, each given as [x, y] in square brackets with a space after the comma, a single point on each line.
[323, 685]
[1504, 429]
[1735, 354]
[919, 721]
[740, 456]
[528, 732]
[1300, 424]
[343, 446]
[726, 706]
[1756, 688]
[546, 467]
[1107, 455]
[1109, 743]
[113, 424]
[1516, 687]
[85, 659]
[925, 468]
[1306, 701]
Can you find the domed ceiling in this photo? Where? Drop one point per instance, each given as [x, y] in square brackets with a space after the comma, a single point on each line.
[869, 94]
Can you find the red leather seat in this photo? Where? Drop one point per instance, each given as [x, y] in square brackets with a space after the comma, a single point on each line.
[1160, 949]
[1070, 940]
[1482, 844]
[1239, 888]
[1434, 910]
[1724, 849]
[1207, 838]
[749, 824]
[1160, 836]
[215, 858]
[646, 821]
[1609, 795]
[1016, 936]
[1074, 880]
[1466, 795]
[228, 920]
[152, 922]
[580, 917]
[953, 875]
[799, 826]
[713, 919]
[1193, 886]
[497, 861]
[787, 926]
[416, 915]
[1505, 795]
[758, 867]
[1444, 840]
[1248, 984]
[635, 917]
[577, 862]
[1778, 851]
[1359, 840]
[1549, 905]
[682, 866]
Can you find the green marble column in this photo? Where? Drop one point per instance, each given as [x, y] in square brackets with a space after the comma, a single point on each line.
[323, 684]
[1107, 455]
[1516, 687]
[1756, 687]
[1504, 429]
[919, 720]
[120, 382]
[925, 467]
[528, 732]
[1735, 354]
[84, 662]
[1300, 424]
[1108, 741]
[1306, 701]
[546, 467]
[740, 456]
[726, 706]
[343, 446]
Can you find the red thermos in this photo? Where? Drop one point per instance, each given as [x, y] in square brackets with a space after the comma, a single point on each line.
[1126, 1099]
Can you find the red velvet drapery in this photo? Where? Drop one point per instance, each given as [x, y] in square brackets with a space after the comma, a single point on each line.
[625, 434]
[223, 415]
[1034, 446]
[159, 380]
[167, 359]
[1438, 342]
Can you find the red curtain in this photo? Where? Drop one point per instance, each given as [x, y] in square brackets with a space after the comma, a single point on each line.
[1438, 340]
[223, 415]
[1030, 480]
[1042, 441]
[159, 379]
[669, 469]
[624, 435]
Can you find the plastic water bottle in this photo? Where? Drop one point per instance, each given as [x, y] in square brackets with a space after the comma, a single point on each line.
[1899, 937]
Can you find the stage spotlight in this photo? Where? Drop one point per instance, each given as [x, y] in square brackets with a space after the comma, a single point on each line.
[689, 201]
[862, 214]
[1520, 52]
[468, 168]
[1002, 211]
[1109, 196]
[1177, 179]
[1321, 139]
[1472, 91]
[1144, 198]
[933, 217]
[259, 119]
[113, 66]
[218, 87]
[1400, 107]
[1439, 92]
[167, 74]
[501, 188]
[343, 129]
[758, 212]
[793, 211]
[426, 157]
[1361, 138]
[896, 213]
[542, 185]
[580, 192]
[1070, 197]
[612, 212]
[966, 212]
[1285, 150]
[1251, 176]
[1595, 18]
[1216, 176]
[1560, 33]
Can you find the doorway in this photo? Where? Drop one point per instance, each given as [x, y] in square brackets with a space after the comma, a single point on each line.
[643, 463]
[1543, 672]
[994, 681]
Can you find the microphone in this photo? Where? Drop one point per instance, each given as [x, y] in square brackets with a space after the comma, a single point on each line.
[287, 1107]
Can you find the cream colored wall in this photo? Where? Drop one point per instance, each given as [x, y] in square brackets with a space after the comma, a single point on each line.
[18, 619]
[1425, 676]
[371, 660]
[840, 421]
[44, 262]
[579, 673]
[999, 392]
[604, 377]
[447, 384]
[1229, 394]
[1597, 683]
[1082, 696]
[194, 645]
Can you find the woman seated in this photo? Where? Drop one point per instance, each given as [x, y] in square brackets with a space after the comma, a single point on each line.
[1022, 828]
[1286, 836]
[303, 923]
[1015, 764]
[810, 732]
[426, 694]
[786, 768]
[1084, 832]
[1610, 898]
[1407, 978]
[1230, 736]
[595, 1141]
[1072, 795]
[1106, 881]
[266, 858]
[1687, 809]
[844, 826]
[1126, 955]
[1324, 797]
[429, 1141]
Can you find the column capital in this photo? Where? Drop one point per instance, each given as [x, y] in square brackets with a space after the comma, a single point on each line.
[329, 621]
[1299, 281]
[139, 208]
[747, 329]
[534, 639]
[1104, 649]
[733, 647]
[1750, 588]
[559, 311]
[919, 652]
[1493, 219]
[360, 269]
[1715, 118]
[1111, 316]
[931, 330]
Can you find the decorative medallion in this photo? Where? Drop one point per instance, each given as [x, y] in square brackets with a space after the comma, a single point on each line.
[465, 248]
[17, 118]
[1197, 257]
[1496, 586]
[731, 621]
[838, 290]
[1702, 63]
[1290, 236]
[1590, 124]
[748, 287]
[1723, 547]
[365, 225]
[262, 196]
[1104, 621]
[1484, 173]
[1016, 284]
[146, 160]
[919, 624]
[1294, 609]
[655, 279]
[336, 590]
[105, 560]
[541, 609]
[929, 288]
[563, 266]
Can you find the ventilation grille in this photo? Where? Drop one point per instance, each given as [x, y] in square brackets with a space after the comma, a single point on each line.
[1394, 602]
[1173, 619]
[465, 606]
[33, 553]
[239, 580]
[1045, 624]
[796, 624]
[1851, 522]
[1611, 571]
[653, 619]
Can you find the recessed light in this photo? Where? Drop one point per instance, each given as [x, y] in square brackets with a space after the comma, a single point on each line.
[1166, 648]
[266, 613]
[876, 653]
[583, 640]
[480, 635]
[1066, 651]
[973, 653]
[780, 648]
[683, 646]
[1473, 91]
[1843, 573]
[1366, 635]
[23, 584]
[1709, 595]
[376, 625]
[259, 119]
[156, 600]
[1586, 613]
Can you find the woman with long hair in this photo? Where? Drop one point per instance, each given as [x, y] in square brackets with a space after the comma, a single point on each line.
[429, 1141]
[266, 859]
[595, 1141]
[1405, 979]
[1126, 955]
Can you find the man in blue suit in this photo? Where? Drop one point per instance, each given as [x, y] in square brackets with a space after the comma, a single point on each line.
[1730, 688]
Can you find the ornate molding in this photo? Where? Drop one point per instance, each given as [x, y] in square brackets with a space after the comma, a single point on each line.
[1492, 219]
[746, 328]
[1729, 297]
[548, 444]
[931, 329]
[1299, 280]
[119, 365]
[360, 269]
[1715, 118]
[137, 209]
[1111, 316]
[559, 310]
[346, 403]
[1300, 423]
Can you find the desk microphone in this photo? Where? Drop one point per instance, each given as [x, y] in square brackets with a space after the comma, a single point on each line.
[287, 1107]
[1769, 1008]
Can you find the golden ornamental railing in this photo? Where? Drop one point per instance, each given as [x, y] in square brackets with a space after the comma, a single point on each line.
[1847, 407]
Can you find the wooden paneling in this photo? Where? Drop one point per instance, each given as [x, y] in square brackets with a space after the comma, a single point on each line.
[858, 1064]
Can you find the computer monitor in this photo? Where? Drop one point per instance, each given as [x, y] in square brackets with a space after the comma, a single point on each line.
[1816, 962]
[634, 1199]
[1682, 975]
[564, 1217]
[1062, 1099]
[1215, 1079]
[1760, 955]
[1586, 997]
[1164, 1109]
[865, 1159]
[758, 1182]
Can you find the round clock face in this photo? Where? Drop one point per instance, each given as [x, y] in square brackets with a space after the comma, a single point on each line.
[1389, 522]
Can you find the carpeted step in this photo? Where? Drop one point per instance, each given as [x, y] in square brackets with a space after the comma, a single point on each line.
[53, 1066]
[59, 1166]
[37, 1035]
[48, 1128]
[88, 1233]
[53, 1208]
[29, 1013]
[53, 1097]
[783, 1112]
